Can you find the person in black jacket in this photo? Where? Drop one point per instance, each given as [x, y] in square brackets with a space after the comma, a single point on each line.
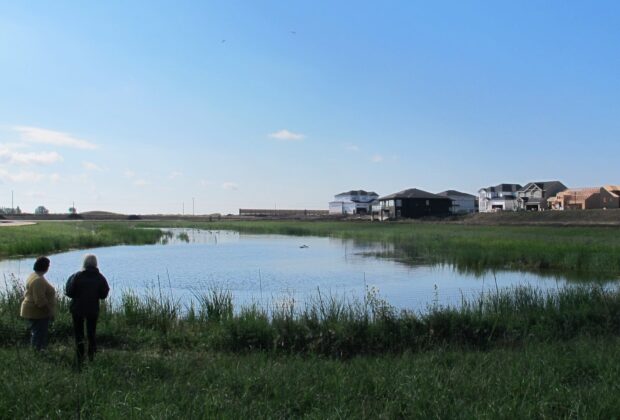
[86, 288]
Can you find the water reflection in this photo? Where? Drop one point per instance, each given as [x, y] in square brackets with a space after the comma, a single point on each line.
[276, 269]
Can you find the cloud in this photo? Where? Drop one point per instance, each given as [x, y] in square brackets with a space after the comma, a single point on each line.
[175, 175]
[376, 159]
[129, 174]
[36, 194]
[351, 147]
[140, 183]
[232, 186]
[206, 183]
[90, 166]
[32, 158]
[56, 138]
[23, 176]
[286, 135]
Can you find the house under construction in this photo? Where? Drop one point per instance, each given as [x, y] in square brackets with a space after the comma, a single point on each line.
[606, 197]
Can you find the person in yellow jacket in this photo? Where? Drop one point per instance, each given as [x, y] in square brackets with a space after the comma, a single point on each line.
[39, 303]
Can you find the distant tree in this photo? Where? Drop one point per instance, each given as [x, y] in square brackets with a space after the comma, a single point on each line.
[41, 210]
[72, 210]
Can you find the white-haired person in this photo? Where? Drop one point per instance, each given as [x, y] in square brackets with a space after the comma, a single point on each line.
[86, 288]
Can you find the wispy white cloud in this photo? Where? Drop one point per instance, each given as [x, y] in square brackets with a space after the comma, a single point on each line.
[7, 155]
[36, 194]
[175, 175]
[56, 138]
[286, 135]
[232, 186]
[376, 159]
[23, 176]
[206, 183]
[351, 147]
[90, 166]
[129, 174]
[140, 183]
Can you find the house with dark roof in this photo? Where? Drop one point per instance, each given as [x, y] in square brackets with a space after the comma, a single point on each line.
[353, 202]
[498, 198]
[462, 203]
[413, 203]
[535, 195]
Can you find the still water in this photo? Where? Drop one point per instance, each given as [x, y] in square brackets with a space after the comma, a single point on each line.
[266, 269]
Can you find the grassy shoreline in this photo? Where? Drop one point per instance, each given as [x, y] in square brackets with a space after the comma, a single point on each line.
[52, 237]
[334, 327]
[580, 252]
[518, 353]
[510, 355]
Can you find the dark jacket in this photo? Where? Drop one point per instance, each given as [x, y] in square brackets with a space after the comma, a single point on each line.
[85, 288]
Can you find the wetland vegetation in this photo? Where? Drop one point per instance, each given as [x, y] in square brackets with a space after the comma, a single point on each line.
[587, 252]
[520, 352]
[592, 252]
[51, 237]
[514, 354]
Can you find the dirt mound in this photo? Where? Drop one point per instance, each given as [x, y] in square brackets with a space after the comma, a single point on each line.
[609, 217]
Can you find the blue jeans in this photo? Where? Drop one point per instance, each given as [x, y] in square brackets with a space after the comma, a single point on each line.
[39, 333]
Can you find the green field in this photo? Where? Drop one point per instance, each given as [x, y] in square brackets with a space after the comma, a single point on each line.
[50, 237]
[575, 379]
[519, 353]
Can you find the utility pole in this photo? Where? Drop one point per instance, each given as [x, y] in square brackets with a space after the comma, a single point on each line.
[193, 211]
[183, 208]
[12, 206]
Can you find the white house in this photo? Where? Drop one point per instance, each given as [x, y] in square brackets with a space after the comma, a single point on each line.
[352, 202]
[462, 203]
[498, 198]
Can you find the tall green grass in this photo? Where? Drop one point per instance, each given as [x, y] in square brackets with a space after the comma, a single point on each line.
[518, 353]
[573, 379]
[336, 327]
[49, 237]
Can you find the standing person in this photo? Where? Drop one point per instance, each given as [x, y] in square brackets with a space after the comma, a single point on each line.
[39, 303]
[86, 288]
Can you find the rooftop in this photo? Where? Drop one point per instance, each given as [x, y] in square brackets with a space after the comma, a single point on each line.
[413, 193]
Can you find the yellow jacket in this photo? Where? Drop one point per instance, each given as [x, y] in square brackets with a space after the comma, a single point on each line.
[39, 299]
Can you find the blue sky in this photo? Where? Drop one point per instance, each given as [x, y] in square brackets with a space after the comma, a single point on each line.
[138, 107]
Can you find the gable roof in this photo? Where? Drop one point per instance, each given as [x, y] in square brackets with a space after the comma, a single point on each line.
[549, 186]
[502, 188]
[613, 189]
[454, 193]
[358, 192]
[413, 193]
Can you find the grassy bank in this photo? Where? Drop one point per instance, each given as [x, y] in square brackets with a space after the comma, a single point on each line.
[579, 252]
[336, 328]
[575, 379]
[49, 237]
[589, 252]
[513, 354]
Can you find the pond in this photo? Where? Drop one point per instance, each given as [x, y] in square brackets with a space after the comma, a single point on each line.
[266, 269]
